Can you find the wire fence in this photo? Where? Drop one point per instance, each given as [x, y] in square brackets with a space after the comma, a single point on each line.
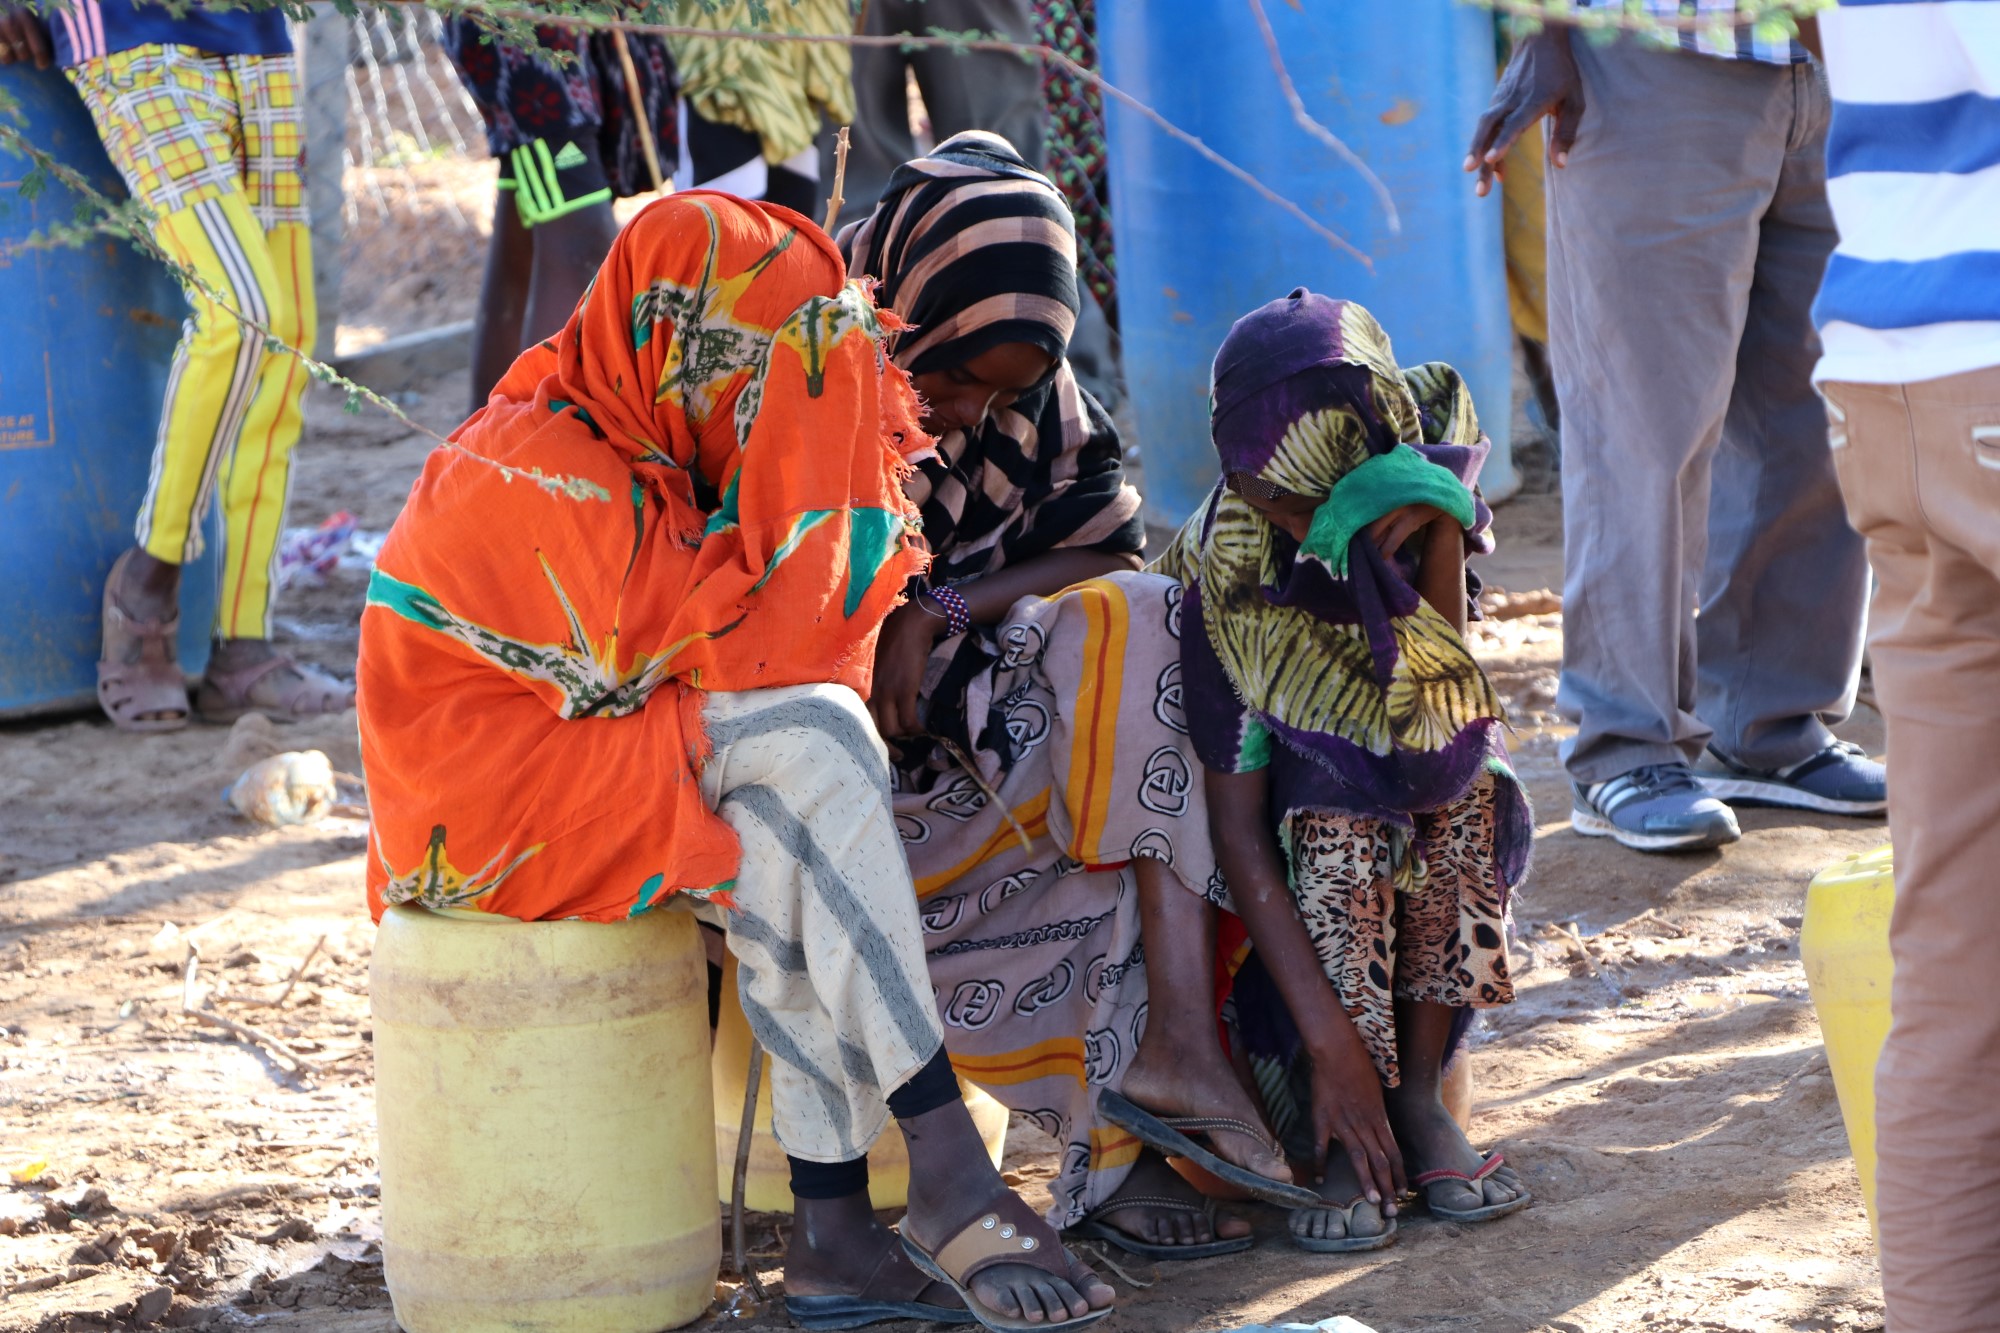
[416, 190]
[405, 102]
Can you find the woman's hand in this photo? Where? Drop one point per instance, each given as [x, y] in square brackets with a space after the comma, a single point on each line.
[901, 654]
[1390, 531]
[1347, 1105]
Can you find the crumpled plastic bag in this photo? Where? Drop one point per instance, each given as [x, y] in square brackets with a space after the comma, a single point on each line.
[1340, 1323]
[292, 788]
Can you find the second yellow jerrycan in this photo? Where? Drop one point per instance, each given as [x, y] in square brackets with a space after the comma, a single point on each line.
[767, 1187]
[1845, 943]
[546, 1151]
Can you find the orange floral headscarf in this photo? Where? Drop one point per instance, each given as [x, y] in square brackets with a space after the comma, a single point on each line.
[532, 663]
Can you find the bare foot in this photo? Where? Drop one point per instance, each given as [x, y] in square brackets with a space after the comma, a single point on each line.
[1152, 1177]
[952, 1182]
[1193, 1079]
[1431, 1140]
[146, 588]
[1349, 1216]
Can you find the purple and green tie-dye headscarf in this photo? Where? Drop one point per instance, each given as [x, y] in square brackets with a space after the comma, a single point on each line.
[1327, 641]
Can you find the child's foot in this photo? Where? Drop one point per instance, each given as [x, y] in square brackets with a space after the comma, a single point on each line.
[249, 675]
[1348, 1222]
[1432, 1141]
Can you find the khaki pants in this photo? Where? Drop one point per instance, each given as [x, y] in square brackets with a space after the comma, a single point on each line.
[1923, 487]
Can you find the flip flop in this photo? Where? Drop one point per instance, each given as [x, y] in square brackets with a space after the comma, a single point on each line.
[1493, 1162]
[1093, 1228]
[998, 1236]
[1163, 1134]
[895, 1284]
[1350, 1243]
[154, 684]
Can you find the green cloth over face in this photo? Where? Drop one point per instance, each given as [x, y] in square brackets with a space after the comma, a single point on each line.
[1382, 485]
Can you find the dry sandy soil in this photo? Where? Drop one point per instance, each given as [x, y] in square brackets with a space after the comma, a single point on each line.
[1660, 1083]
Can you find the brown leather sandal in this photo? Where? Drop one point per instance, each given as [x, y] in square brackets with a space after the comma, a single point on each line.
[148, 694]
[1008, 1232]
[895, 1290]
[225, 696]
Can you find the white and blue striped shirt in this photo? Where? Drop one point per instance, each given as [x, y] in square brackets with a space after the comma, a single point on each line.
[1913, 174]
[1716, 32]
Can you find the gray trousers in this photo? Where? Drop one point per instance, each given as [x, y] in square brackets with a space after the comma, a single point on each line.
[976, 91]
[984, 90]
[1687, 237]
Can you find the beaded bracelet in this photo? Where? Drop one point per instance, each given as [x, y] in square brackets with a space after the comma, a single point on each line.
[957, 615]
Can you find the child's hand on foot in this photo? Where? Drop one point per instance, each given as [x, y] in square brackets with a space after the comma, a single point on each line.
[1348, 1107]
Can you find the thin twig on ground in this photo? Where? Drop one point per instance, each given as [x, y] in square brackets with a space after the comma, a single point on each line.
[188, 975]
[257, 1037]
[298, 972]
[243, 1032]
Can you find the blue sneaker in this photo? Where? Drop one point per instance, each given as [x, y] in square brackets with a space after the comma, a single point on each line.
[1655, 808]
[1839, 780]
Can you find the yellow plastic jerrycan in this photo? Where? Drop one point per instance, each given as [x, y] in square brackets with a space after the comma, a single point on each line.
[1845, 943]
[767, 1186]
[541, 1089]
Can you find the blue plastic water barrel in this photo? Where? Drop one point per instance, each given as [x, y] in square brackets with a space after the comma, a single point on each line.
[86, 340]
[1401, 84]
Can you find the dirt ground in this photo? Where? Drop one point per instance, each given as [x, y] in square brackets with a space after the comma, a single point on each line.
[1660, 1082]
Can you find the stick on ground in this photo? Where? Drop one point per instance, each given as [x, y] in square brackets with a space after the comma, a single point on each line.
[256, 1037]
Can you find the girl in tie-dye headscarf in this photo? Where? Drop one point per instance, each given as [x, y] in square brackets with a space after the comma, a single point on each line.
[1353, 749]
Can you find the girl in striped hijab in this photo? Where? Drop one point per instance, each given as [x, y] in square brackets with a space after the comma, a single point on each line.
[1044, 788]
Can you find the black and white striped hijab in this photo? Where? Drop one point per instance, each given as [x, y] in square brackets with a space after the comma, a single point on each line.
[974, 248]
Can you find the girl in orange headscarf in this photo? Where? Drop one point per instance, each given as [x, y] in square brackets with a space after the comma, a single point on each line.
[613, 656]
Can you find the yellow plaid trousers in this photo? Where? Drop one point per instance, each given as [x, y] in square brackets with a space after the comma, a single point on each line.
[214, 145]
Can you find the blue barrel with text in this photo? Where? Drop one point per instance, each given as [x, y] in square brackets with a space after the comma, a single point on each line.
[1401, 85]
[86, 342]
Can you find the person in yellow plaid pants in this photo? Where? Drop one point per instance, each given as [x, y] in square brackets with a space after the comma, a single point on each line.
[200, 114]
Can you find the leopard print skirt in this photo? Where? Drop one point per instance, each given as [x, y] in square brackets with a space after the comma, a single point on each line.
[1391, 914]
